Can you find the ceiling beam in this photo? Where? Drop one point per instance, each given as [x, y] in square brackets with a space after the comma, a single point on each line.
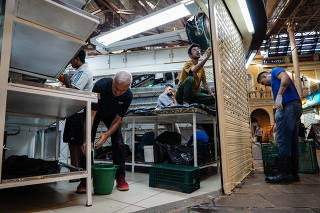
[282, 19]
[110, 6]
[144, 10]
[308, 20]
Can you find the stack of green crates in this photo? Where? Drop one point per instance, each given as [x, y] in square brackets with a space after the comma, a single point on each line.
[307, 157]
[186, 178]
[270, 153]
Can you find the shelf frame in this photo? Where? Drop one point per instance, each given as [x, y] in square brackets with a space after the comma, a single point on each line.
[77, 99]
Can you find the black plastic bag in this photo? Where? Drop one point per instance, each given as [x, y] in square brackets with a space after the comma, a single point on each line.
[170, 138]
[180, 155]
[160, 152]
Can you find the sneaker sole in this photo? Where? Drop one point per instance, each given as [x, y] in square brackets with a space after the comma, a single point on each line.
[123, 189]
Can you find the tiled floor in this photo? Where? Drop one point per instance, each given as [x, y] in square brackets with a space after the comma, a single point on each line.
[60, 197]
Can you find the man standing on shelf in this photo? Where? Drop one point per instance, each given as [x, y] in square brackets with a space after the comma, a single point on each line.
[114, 99]
[191, 77]
[166, 98]
[288, 111]
[73, 133]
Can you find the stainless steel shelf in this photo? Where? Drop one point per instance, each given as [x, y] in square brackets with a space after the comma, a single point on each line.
[142, 164]
[7, 183]
[169, 118]
[46, 102]
[47, 34]
[58, 16]
[18, 122]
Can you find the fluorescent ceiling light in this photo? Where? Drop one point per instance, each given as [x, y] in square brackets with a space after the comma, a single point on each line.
[148, 40]
[143, 24]
[250, 59]
[246, 15]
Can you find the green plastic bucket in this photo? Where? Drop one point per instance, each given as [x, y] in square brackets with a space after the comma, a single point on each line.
[103, 178]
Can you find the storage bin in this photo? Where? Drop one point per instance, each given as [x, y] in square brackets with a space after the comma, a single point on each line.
[308, 157]
[270, 154]
[148, 154]
[186, 178]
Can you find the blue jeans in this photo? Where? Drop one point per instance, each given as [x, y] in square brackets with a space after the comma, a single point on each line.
[287, 128]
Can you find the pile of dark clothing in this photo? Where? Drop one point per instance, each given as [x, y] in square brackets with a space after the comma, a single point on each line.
[22, 166]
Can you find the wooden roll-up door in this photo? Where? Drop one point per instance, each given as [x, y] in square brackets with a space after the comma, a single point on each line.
[232, 97]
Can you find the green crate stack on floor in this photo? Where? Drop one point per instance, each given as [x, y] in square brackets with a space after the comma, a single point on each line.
[307, 157]
[270, 153]
[186, 178]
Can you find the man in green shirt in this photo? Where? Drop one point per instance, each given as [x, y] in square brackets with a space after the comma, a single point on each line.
[191, 77]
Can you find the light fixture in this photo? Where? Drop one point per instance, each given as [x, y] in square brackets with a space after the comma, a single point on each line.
[156, 19]
[147, 41]
[246, 15]
[250, 59]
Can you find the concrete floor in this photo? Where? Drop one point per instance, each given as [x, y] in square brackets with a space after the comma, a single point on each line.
[61, 197]
[255, 196]
[251, 196]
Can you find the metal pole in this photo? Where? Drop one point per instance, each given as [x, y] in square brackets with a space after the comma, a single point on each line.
[295, 59]
[194, 126]
[215, 138]
[57, 140]
[42, 145]
[173, 79]
[88, 153]
[132, 144]
[156, 129]
[4, 69]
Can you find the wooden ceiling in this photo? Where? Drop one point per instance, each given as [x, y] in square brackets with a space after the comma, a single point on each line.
[304, 14]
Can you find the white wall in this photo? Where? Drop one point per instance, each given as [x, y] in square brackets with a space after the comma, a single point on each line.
[140, 62]
[21, 144]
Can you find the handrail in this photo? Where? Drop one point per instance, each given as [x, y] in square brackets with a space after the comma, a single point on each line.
[260, 94]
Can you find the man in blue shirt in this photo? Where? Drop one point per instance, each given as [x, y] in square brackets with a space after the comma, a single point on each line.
[202, 137]
[288, 111]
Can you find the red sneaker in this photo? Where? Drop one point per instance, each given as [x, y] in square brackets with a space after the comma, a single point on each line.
[122, 184]
[82, 188]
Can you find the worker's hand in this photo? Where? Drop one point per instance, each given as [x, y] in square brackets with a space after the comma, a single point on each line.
[84, 148]
[103, 138]
[212, 94]
[208, 53]
[61, 79]
[278, 103]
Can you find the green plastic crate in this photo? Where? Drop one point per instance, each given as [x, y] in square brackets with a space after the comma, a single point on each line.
[308, 157]
[186, 178]
[270, 153]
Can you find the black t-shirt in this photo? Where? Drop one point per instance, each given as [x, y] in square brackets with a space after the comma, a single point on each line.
[108, 105]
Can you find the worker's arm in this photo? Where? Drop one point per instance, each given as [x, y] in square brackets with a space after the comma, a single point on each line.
[284, 83]
[113, 127]
[205, 84]
[174, 103]
[198, 66]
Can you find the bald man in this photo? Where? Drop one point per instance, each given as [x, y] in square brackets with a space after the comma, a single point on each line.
[114, 99]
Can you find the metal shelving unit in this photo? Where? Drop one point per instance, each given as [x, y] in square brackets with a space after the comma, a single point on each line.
[41, 37]
[192, 117]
